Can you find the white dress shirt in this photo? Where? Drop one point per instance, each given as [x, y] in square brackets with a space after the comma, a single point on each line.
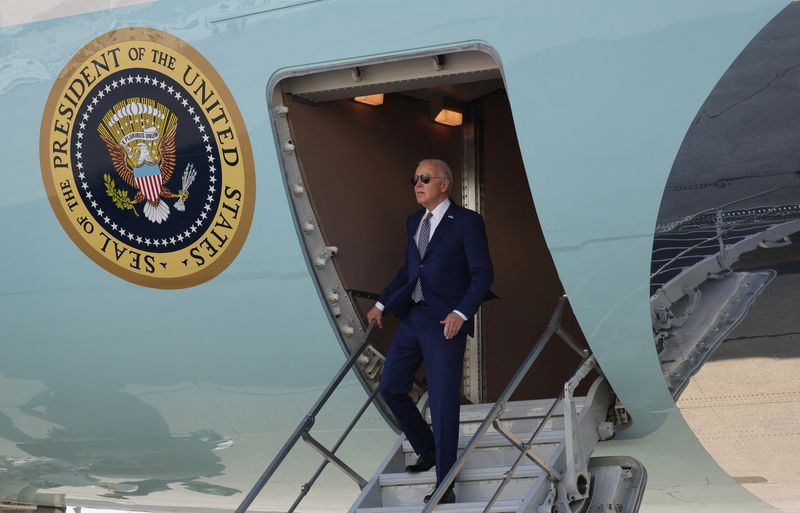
[438, 214]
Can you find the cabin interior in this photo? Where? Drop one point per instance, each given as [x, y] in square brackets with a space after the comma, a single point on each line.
[356, 160]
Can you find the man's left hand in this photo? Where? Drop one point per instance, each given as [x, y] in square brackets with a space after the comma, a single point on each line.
[452, 325]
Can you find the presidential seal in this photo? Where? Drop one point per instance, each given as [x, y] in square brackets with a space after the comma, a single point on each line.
[146, 160]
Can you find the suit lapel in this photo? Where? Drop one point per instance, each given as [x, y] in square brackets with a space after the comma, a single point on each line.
[444, 225]
[413, 225]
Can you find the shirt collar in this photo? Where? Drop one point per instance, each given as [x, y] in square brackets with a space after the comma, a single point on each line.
[441, 208]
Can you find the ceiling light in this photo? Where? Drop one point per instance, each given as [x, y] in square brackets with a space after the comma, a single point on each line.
[449, 117]
[372, 99]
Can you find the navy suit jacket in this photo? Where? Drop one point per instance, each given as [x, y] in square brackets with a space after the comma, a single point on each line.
[455, 273]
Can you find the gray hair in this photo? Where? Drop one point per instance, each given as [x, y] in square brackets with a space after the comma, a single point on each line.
[441, 166]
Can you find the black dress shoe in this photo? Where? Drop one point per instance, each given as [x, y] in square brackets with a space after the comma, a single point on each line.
[449, 497]
[425, 462]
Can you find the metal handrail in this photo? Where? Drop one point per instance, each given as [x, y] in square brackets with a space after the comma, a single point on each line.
[553, 328]
[302, 431]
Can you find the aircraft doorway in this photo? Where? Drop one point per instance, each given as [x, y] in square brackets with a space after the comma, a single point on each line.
[348, 166]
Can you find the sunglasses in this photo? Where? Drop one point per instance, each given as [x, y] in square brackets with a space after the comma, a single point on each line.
[426, 178]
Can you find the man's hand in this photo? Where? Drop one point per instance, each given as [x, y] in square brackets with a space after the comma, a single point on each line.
[452, 325]
[375, 315]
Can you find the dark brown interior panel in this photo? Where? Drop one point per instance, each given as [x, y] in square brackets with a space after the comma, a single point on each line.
[525, 276]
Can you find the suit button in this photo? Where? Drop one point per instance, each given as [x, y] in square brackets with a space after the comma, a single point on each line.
[421, 266]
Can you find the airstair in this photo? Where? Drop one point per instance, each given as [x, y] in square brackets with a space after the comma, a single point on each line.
[514, 456]
[494, 477]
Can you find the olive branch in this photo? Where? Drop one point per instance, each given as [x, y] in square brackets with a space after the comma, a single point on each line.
[118, 196]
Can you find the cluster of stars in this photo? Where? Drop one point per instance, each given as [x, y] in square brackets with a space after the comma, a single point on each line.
[205, 213]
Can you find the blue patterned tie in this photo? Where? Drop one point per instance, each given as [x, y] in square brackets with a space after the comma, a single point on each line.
[422, 245]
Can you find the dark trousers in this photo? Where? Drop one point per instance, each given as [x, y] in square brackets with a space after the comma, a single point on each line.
[420, 338]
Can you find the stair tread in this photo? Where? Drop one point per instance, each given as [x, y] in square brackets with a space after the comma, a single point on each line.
[498, 440]
[468, 474]
[501, 506]
[513, 409]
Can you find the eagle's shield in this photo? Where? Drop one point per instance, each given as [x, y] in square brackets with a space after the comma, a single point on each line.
[148, 179]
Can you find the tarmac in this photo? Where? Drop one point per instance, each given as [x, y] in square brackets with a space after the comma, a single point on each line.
[744, 403]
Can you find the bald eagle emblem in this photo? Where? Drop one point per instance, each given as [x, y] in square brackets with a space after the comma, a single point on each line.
[139, 134]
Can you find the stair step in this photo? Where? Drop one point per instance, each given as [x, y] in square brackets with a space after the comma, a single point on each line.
[492, 454]
[472, 474]
[517, 425]
[472, 485]
[519, 417]
[497, 440]
[513, 409]
[504, 506]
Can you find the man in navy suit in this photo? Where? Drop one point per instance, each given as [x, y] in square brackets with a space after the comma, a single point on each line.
[442, 282]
